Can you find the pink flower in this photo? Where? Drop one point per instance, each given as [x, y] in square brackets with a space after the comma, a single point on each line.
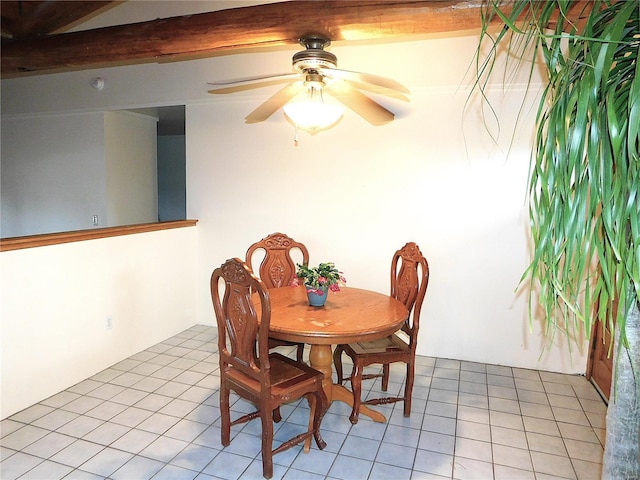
[295, 282]
[334, 287]
[322, 280]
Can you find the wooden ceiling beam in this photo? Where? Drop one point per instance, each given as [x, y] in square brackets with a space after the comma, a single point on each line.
[22, 19]
[235, 29]
[207, 34]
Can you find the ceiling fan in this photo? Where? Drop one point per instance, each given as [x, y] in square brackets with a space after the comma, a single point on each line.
[316, 72]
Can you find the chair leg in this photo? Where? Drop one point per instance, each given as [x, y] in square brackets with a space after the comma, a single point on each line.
[267, 444]
[408, 388]
[337, 361]
[356, 389]
[225, 414]
[300, 352]
[385, 377]
[318, 403]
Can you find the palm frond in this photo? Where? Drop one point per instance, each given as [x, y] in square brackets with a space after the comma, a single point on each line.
[585, 170]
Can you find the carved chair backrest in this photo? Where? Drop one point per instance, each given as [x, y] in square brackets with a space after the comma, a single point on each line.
[242, 339]
[277, 268]
[409, 280]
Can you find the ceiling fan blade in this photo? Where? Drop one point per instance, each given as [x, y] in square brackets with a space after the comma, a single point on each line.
[274, 103]
[247, 83]
[377, 90]
[359, 77]
[372, 112]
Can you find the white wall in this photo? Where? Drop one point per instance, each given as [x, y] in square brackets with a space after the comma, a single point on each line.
[132, 176]
[60, 170]
[356, 193]
[53, 173]
[54, 302]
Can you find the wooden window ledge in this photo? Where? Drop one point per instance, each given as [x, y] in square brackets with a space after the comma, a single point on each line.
[18, 243]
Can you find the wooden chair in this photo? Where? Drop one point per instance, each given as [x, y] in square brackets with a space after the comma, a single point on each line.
[277, 269]
[409, 280]
[247, 368]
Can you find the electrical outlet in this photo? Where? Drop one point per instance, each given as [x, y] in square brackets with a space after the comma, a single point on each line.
[108, 324]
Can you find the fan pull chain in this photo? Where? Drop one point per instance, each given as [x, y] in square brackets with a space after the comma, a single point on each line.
[295, 136]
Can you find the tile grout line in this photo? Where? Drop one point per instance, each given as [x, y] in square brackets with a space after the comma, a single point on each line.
[197, 352]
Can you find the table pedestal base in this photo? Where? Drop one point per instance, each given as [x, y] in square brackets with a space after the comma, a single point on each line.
[342, 394]
[321, 358]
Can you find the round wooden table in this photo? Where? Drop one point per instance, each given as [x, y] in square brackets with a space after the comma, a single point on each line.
[350, 315]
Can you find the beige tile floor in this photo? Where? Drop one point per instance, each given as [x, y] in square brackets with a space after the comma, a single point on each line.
[155, 416]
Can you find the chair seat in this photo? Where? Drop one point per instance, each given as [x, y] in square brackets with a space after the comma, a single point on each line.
[285, 373]
[275, 342]
[389, 344]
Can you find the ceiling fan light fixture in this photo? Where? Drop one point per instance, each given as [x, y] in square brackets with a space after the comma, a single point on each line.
[313, 116]
[312, 113]
[315, 66]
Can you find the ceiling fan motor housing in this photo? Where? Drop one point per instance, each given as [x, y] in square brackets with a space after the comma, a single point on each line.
[314, 56]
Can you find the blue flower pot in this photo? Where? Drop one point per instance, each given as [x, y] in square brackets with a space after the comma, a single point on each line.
[316, 300]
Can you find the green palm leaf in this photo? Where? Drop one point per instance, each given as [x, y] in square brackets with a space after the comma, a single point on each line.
[585, 173]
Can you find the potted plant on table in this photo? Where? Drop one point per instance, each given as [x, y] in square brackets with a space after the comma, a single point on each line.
[318, 281]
